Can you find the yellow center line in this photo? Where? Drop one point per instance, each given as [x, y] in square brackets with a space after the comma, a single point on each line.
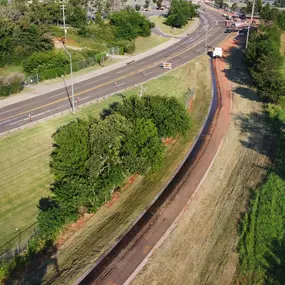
[108, 82]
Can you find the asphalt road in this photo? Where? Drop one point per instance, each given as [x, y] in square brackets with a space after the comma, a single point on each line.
[17, 115]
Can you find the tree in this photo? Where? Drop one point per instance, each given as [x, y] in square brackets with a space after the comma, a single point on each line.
[143, 150]
[180, 12]
[106, 139]
[129, 24]
[159, 4]
[29, 38]
[138, 7]
[76, 16]
[234, 7]
[6, 40]
[226, 6]
[146, 5]
[71, 150]
[258, 6]
[219, 3]
[168, 115]
[154, 1]
[249, 7]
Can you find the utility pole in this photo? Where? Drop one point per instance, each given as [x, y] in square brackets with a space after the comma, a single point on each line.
[206, 39]
[251, 19]
[71, 76]
[62, 7]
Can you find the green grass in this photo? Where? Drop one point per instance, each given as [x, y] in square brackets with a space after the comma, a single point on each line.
[25, 175]
[262, 233]
[159, 22]
[146, 43]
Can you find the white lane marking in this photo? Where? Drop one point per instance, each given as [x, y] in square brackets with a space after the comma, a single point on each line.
[11, 110]
[61, 93]
[84, 98]
[121, 84]
[146, 74]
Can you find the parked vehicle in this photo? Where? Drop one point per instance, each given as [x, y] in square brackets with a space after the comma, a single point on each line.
[217, 52]
[166, 65]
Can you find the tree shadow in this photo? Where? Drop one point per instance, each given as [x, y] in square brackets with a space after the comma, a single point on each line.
[237, 71]
[247, 93]
[259, 136]
[275, 260]
[33, 273]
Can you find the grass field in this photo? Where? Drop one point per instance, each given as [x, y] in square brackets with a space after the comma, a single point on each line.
[159, 22]
[25, 175]
[146, 43]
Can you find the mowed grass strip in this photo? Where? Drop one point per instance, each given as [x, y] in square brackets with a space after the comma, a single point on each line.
[145, 43]
[24, 159]
[159, 22]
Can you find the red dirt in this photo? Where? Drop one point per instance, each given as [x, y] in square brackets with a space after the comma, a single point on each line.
[115, 196]
[130, 181]
[72, 228]
[168, 141]
[190, 106]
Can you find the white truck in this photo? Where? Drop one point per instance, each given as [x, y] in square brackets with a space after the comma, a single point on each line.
[217, 52]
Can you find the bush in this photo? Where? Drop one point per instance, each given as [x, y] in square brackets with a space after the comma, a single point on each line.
[11, 84]
[129, 24]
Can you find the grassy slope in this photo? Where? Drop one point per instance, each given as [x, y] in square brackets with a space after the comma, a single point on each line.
[146, 43]
[25, 175]
[159, 22]
[108, 223]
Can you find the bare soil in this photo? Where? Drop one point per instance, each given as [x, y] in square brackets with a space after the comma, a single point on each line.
[201, 248]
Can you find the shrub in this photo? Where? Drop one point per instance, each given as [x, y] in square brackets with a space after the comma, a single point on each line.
[11, 84]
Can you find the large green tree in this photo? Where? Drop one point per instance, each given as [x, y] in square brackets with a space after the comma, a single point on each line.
[180, 12]
[168, 115]
[142, 150]
[71, 150]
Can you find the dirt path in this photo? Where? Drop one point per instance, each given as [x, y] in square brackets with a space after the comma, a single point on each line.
[200, 249]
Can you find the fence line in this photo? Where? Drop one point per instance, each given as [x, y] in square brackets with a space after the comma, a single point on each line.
[19, 243]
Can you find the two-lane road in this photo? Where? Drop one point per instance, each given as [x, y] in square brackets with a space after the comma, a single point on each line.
[17, 115]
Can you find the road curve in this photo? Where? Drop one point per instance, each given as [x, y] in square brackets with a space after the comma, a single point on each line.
[17, 115]
[120, 263]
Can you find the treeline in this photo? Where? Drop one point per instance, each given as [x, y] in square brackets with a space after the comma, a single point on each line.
[26, 32]
[265, 62]
[262, 231]
[26, 29]
[92, 158]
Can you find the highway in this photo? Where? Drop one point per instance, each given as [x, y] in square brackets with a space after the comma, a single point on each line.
[17, 115]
